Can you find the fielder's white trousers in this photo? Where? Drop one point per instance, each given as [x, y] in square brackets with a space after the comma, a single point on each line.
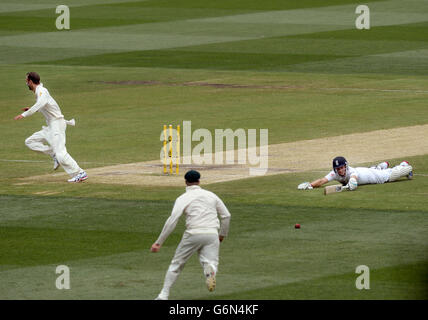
[54, 136]
[206, 245]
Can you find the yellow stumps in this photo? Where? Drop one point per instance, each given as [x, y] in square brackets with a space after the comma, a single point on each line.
[177, 159]
[171, 154]
[164, 149]
[170, 149]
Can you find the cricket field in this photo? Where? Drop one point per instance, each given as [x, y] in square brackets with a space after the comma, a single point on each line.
[300, 69]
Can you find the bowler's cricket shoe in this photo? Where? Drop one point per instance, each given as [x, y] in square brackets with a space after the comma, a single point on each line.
[210, 281]
[56, 163]
[82, 176]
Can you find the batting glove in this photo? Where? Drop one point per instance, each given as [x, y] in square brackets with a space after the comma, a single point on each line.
[305, 186]
[352, 184]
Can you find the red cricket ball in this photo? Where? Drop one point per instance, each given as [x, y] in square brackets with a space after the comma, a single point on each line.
[297, 226]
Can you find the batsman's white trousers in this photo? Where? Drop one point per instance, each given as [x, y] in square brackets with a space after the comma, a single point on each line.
[54, 135]
[205, 244]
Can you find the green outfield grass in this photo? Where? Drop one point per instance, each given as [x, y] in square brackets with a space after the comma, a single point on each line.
[126, 68]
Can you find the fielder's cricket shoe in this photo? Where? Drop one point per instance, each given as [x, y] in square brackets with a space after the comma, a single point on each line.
[81, 176]
[159, 297]
[210, 281]
[56, 163]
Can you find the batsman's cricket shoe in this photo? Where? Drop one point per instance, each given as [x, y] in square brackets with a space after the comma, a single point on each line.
[56, 163]
[81, 176]
[405, 164]
[404, 169]
[210, 275]
[381, 166]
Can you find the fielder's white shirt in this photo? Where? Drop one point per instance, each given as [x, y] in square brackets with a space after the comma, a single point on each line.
[364, 175]
[202, 208]
[44, 104]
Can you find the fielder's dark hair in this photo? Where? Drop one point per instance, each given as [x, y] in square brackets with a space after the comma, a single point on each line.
[33, 76]
[192, 176]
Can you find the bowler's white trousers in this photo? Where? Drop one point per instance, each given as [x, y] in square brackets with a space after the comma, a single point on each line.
[54, 135]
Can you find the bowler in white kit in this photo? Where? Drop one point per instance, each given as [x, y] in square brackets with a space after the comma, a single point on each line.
[54, 133]
[203, 234]
[352, 177]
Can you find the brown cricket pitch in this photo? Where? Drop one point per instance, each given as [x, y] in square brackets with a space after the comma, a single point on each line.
[298, 156]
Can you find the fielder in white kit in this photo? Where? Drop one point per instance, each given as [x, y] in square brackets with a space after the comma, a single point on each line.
[352, 177]
[203, 234]
[54, 133]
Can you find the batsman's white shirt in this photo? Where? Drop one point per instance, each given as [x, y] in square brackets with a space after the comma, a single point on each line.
[364, 175]
[202, 208]
[45, 104]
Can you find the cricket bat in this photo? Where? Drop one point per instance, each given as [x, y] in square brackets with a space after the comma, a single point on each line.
[334, 189]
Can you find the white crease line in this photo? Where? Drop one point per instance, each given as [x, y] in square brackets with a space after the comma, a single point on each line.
[40, 161]
[7, 160]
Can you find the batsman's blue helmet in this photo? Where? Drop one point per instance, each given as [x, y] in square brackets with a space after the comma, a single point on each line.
[339, 162]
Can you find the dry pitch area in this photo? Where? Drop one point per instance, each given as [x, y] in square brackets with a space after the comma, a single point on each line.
[296, 156]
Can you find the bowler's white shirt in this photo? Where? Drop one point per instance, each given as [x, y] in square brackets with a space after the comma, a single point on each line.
[45, 104]
[364, 175]
[202, 208]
